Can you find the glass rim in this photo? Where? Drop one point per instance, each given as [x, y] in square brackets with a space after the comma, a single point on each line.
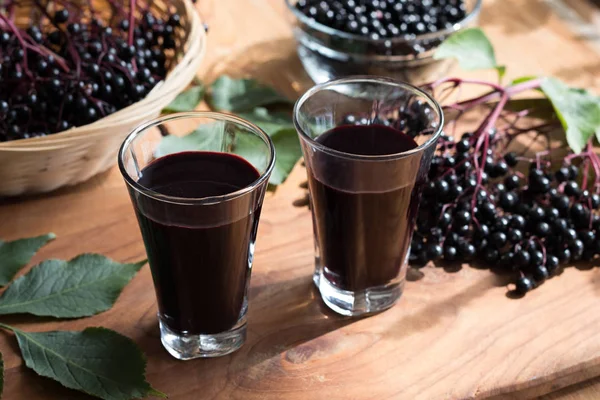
[140, 129]
[377, 80]
[425, 36]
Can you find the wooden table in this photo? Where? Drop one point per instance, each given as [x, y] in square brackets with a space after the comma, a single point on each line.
[430, 346]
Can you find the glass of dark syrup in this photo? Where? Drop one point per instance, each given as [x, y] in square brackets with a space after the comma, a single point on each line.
[198, 200]
[367, 145]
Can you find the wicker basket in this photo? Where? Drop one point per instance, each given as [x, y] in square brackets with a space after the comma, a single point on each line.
[42, 164]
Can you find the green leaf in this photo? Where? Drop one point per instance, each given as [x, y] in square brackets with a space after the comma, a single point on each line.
[97, 361]
[17, 254]
[472, 49]
[1, 375]
[211, 137]
[577, 110]
[186, 100]
[268, 122]
[242, 94]
[501, 71]
[84, 286]
[205, 137]
[539, 107]
[522, 79]
[287, 147]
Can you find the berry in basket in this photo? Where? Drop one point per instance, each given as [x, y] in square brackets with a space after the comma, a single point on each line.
[69, 63]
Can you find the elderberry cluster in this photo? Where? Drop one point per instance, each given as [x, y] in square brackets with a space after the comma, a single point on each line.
[479, 208]
[380, 19]
[65, 70]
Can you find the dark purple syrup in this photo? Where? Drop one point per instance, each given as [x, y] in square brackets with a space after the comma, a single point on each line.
[200, 270]
[363, 237]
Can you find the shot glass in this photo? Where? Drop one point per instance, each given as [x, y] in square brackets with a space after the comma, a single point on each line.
[367, 143]
[197, 182]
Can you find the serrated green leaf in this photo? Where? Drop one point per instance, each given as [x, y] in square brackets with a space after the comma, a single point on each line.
[186, 100]
[84, 286]
[577, 110]
[472, 49]
[228, 94]
[268, 122]
[208, 137]
[17, 254]
[97, 361]
[1, 375]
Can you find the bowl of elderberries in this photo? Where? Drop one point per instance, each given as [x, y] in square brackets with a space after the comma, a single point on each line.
[77, 75]
[393, 38]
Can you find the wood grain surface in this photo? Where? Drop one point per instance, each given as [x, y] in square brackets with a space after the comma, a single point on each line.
[452, 336]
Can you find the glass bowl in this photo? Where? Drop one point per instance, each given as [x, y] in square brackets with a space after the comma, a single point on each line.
[328, 53]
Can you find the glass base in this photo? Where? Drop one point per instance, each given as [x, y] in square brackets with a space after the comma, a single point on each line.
[359, 303]
[184, 346]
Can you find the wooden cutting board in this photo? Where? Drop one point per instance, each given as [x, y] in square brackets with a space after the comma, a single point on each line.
[452, 336]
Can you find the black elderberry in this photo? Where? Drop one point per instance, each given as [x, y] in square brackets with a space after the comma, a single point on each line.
[61, 16]
[540, 274]
[522, 258]
[508, 200]
[419, 259]
[482, 231]
[467, 251]
[463, 146]
[500, 169]
[461, 229]
[490, 255]
[450, 253]
[523, 285]
[445, 219]
[551, 264]
[512, 181]
[452, 179]
[561, 202]
[537, 257]
[515, 235]
[463, 217]
[434, 251]
[539, 184]
[517, 221]
[542, 229]
[442, 187]
[449, 162]
[573, 172]
[511, 159]
[537, 213]
[74, 28]
[570, 234]
[487, 211]
[552, 213]
[572, 188]
[577, 247]
[498, 239]
[502, 224]
[560, 225]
